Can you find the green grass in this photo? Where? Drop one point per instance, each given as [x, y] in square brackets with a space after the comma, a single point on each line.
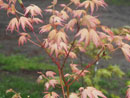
[24, 85]
[20, 62]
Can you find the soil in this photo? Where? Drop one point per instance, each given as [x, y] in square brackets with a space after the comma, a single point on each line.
[112, 16]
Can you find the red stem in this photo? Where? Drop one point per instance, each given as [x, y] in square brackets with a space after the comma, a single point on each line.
[88, 66]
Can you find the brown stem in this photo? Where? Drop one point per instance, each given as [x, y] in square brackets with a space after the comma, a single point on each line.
[88, 66]
[54, 60]
[70, 48]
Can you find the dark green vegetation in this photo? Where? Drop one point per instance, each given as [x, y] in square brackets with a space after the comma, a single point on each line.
[25, 85]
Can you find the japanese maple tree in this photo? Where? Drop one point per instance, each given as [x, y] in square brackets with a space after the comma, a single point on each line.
[68, 30]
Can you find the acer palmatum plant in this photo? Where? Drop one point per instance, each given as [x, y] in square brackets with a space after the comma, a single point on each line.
[60, 46]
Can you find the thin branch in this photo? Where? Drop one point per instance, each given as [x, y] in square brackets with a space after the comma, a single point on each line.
[19, 13]
[70, 48]
[88, 66]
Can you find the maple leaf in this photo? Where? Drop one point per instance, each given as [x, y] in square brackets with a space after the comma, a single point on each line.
[71, 24]
[86, 4]
[66, 7]
[92, 4]
[3, 5]
[56, 20]
[35, 20]
[61, 36]
[45, 28]
[51, 95]
[63, 15]
[12, 1]
[11, 9]
[50, 74]
[95, 38]
[23, 38]
[128, 92]
[52, 34]
[76, 2]
[13, 24]
[84, 35]
[127, 37]
[91, 92]
[47, 85]
[100, 3]
[107, 30]
[78, 13]
[73, 95]
[54, 2]
[23, 21]
[126, 50]
[33, 10]
[72, 55]
[105, 36]
[52, 11]
[53, 82]
[74, 68]
[57, 48]
[89, 21]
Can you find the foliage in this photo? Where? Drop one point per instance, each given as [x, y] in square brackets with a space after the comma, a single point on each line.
[60, 46]
[20, 62]
[26, 85]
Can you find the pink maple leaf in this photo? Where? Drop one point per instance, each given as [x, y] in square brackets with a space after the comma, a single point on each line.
[90, 21]
[126, 50]
[91, 92]
[76, 2]
[128, 92]
[33, 10]
[23, 38]
[13, 24]
[78, 13]
[56, 20]
[45, 28]
[95, 38]
[63, 15]
[72, 55]
[50, 74]
[23, 21]
[51, 95]
[3, 5]
[71, 24]
[35, 20]
[107, 30]
[84, 35]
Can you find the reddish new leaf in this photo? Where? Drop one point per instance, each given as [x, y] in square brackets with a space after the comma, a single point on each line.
[91, 92]
[95, 38]
[126, 50]
[71, 24]
[23, 21]
[13, 24]
[90, 21]
[50, 74]
[36, 20]
[33, 10]
[84, 36]
[128, 92]
[23, 38]
[45, 28]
